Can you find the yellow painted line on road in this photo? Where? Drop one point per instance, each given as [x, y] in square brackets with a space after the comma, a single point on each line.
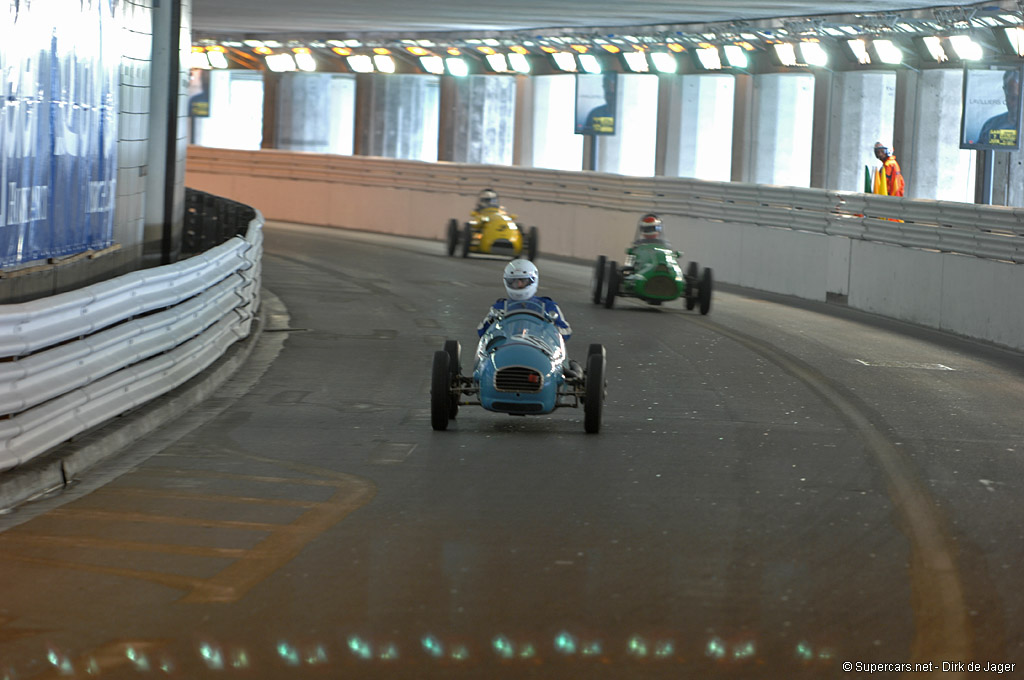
[250, 566]
[175, 581]
[207, 497]
[214, 474]
[942, 624]
[20, 538]
[146, 518]
[281, 547]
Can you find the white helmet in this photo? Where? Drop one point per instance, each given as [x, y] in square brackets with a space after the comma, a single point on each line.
[649, 227]
[488, 199]
[521, 279]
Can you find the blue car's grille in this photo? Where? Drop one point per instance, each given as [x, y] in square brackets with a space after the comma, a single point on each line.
[518, 379]
[516, 407]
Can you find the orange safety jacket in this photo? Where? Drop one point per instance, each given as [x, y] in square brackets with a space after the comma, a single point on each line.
[889, 179]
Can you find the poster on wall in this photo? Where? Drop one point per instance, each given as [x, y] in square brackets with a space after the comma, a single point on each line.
[199, 93]
[991, 118]
[595, 103]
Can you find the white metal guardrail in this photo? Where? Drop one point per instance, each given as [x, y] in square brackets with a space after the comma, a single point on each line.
[72, 361]
[990, 232]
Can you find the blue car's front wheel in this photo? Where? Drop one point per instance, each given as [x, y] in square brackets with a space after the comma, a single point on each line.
[593, 402]
[440, 390]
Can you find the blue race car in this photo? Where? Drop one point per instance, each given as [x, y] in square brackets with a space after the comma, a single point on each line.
[520, 369]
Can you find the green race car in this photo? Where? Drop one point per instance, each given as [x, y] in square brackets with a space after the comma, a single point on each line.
[651, 272]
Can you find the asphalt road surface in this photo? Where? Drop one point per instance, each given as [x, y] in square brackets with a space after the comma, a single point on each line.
[778, 489]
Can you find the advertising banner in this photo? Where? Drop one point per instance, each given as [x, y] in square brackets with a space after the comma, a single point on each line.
[595, 103]
[58, 128]
[991, 108]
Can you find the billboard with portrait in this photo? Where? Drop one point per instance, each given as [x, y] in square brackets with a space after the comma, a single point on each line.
[595, 103]
[991, 118]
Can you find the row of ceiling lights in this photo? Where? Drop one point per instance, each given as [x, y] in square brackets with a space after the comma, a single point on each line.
[792, 45]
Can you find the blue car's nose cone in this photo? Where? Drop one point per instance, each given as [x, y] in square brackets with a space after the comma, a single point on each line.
[518, 378]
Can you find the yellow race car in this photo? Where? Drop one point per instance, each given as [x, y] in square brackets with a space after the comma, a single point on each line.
[491, 230]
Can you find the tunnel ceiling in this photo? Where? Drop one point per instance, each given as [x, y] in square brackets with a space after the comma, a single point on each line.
[273, 17]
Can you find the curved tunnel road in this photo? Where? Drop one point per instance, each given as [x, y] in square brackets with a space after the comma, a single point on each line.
[778, 488]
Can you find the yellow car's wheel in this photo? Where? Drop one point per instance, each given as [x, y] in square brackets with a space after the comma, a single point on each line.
[467, 238]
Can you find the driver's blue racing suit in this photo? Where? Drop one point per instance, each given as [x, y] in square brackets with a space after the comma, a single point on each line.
[551, 308]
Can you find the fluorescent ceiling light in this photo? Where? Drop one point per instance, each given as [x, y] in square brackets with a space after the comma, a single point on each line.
[888, 52]
[664, 62]
[786, 53]
[433, 65]
[564, 61]
[497, 62]
[934, 46]
[965, 48]
[709, 58]
[519, 62]
[384, 63]
[736, 56]
[1016, 37]
[589, 63]
[280, 62]
[199, 60]
[860, 50]
[304, 59]
[217, 59]
[813, 54]
[360, 63]
[636, 61]
[457, 66]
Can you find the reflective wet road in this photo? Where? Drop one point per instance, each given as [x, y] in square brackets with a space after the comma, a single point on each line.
[778, 488]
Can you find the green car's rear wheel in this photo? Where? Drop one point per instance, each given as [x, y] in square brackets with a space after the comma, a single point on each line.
[597, 281]
[705, 291]
[612, 285]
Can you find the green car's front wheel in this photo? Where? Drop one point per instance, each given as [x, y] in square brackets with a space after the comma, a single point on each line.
[691, 291]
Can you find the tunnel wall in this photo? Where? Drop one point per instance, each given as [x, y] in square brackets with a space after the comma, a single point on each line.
[939, 264]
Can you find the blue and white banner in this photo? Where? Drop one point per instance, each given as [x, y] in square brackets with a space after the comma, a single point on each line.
[59, 64]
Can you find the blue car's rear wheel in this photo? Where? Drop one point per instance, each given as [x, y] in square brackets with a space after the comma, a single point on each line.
[440, 390]
[593, 402]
